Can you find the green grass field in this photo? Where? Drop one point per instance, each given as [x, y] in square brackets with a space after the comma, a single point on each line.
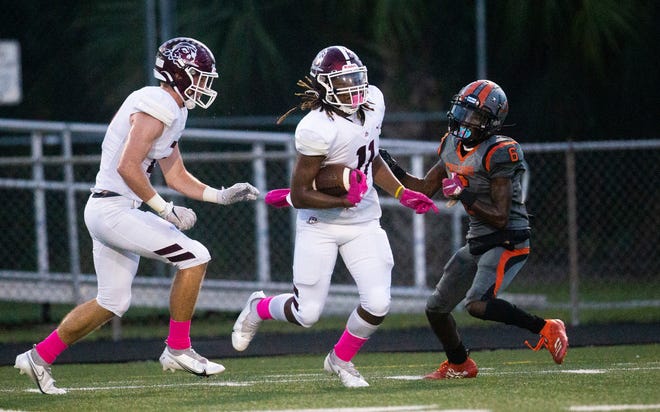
[591, 379]
[21, 322]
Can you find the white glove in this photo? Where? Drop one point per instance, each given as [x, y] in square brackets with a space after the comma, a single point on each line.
[182, 217]
[239, 192]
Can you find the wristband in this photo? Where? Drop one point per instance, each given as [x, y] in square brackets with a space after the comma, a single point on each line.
[468, 198]
[398, 192]
[210, 194]
[157, 203]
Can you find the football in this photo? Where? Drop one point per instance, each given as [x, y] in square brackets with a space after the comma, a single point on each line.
[333, 180]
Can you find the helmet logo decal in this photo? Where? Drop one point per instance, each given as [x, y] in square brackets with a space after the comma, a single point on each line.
[319, 58]
[181, 54]
[472, 100]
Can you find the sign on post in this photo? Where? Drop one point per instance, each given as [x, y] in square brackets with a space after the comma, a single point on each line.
[10, 72]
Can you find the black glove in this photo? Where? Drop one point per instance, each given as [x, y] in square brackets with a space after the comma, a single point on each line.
[398, 171]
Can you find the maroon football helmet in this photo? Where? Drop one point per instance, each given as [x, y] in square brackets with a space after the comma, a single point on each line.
[343, 76]
[189, 67]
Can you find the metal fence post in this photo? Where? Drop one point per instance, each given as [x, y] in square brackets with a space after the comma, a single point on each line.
[419, 231]
[573, 268]
[261, 218]
[71, 214]
[40, 223]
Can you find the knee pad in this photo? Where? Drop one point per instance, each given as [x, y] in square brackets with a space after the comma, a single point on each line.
[307, 317]
[306, 321]
[378, 307]
[199, 255]
[117, 305]
[434, 303]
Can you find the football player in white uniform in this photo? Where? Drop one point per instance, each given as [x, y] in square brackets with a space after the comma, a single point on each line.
[143, 133]
[342, 127]
[483, 171]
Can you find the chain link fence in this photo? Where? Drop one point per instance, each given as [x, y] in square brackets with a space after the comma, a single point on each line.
[594, 245]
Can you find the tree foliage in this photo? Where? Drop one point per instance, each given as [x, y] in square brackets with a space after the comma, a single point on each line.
[582, 69]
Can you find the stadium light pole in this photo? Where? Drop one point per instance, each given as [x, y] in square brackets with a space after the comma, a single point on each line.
[480, 16]
[167, 18]
[156, 27]
[150, 40]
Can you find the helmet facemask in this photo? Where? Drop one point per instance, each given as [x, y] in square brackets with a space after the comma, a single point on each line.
[199, 92]
[347, 89]
[471, 125]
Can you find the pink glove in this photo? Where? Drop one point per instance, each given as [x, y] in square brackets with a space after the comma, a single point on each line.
[417, 201]
[278, 198]
[358, 186]
[452, 186]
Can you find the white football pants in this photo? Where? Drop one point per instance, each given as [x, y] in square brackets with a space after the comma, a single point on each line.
[121, 233]
[366, 252]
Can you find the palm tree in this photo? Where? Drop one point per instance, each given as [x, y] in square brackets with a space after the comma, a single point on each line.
[565, 60]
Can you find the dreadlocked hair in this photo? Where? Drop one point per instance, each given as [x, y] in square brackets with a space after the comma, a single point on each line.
[311, 100]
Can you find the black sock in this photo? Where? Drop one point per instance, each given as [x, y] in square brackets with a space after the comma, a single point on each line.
[499, 310]
[443, 326]
[457, 355]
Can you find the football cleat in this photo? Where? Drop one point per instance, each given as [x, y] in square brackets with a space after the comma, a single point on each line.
[40, 374]
[190, 361]
[446, 370]
[247, 323]
[346, 371]
[553, 337]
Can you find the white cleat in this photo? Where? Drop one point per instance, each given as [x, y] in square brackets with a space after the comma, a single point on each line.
[247, 323]
[39, 374]
[190, 361]
[346, 371]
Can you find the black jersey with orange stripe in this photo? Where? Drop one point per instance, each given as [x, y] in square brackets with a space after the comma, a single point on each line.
[497, 156]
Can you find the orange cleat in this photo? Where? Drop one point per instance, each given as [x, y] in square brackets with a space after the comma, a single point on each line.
[553, 337]
[467, 369]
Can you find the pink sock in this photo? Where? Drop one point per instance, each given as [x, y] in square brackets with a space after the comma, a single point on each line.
[262, 308]
[179, 337]
[348, 346]
[51, 347]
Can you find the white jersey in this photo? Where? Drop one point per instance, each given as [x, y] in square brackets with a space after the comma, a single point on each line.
[153, 101]
[349, 143]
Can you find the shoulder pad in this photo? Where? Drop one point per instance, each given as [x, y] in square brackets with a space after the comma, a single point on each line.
[502, 150]
[152, 107]
[313, 142]
[376, 96]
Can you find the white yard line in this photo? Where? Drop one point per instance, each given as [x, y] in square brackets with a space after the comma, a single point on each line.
[494, 372]
[421, 408]
[596, 408]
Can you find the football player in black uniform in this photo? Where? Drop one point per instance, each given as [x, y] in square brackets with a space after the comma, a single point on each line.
[483, 171]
